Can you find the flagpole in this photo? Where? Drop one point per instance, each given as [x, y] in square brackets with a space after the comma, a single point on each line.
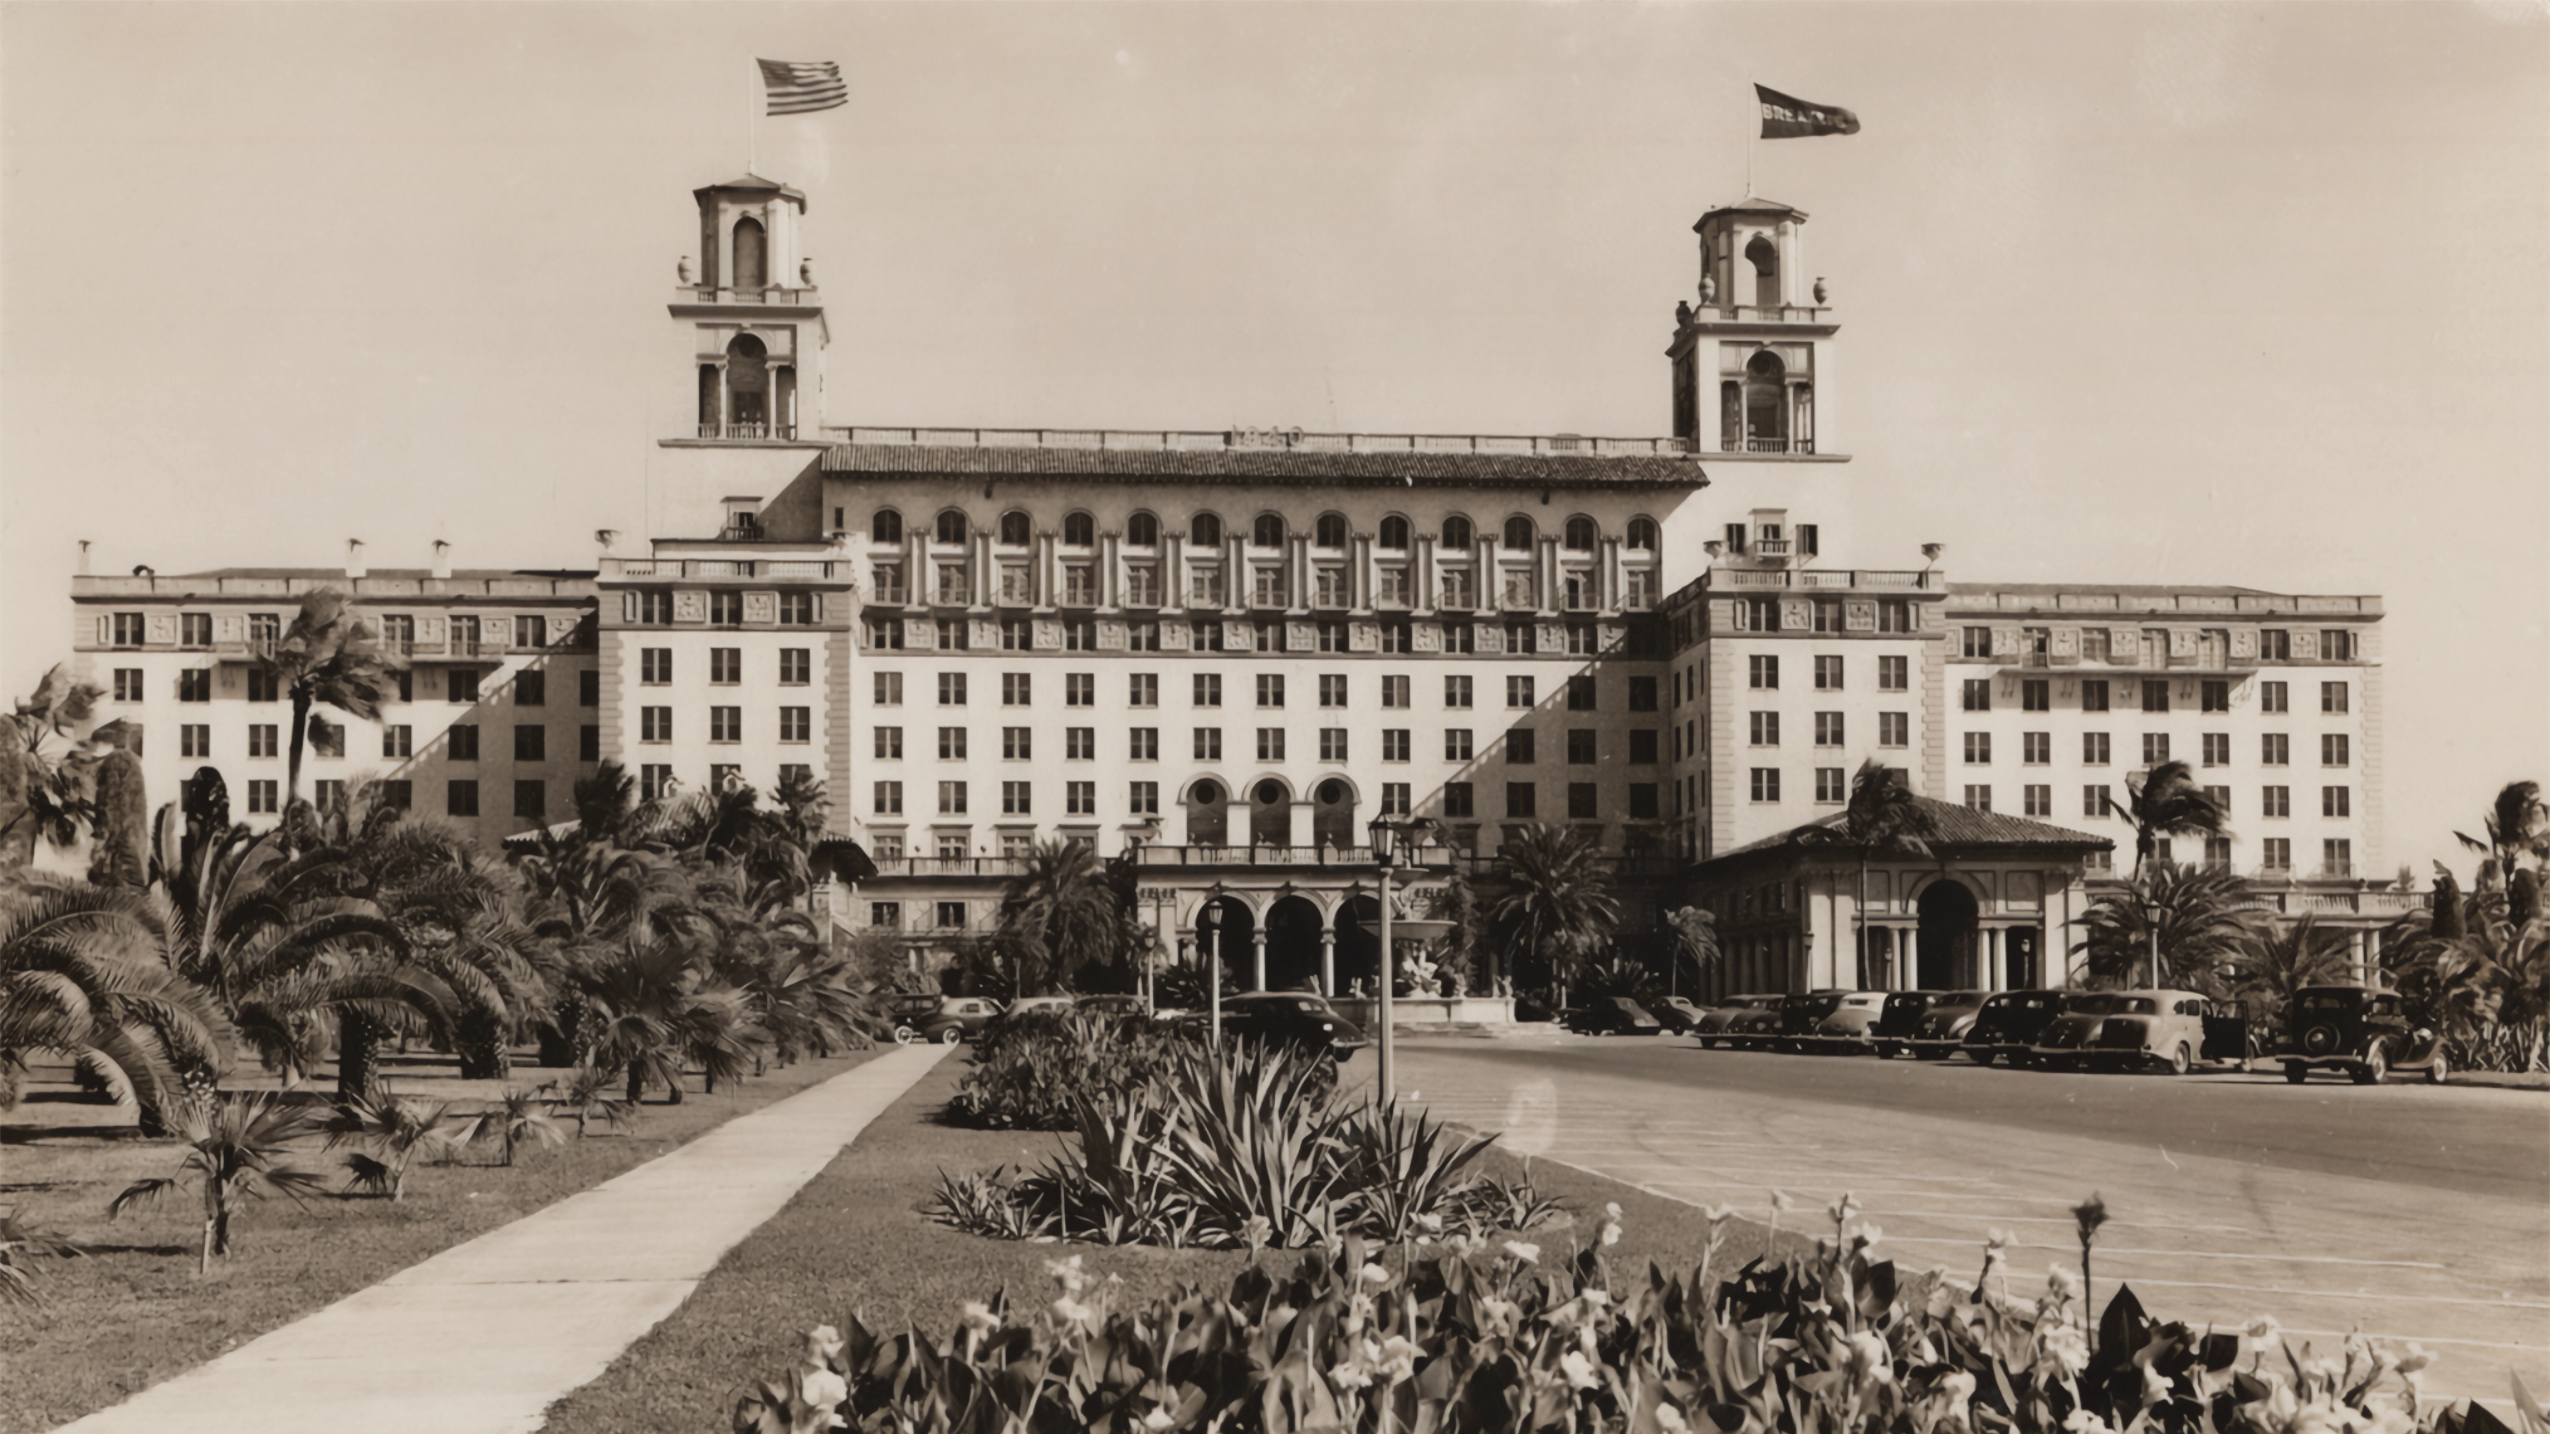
[1752, 135]
[752, 132]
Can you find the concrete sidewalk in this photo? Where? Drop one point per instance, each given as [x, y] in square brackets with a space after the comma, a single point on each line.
[482, 1337]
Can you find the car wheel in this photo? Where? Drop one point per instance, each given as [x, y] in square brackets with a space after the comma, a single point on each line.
[2320, 1041]
[951, 1035]
[1979, 1056]
[2179, 1060]
[2438, 1070]
[905, 1035]
[2295, 1072]
[2376, 1064]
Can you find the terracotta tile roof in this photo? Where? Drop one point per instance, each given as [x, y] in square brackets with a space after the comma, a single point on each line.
[1958, 826]
[1269, 465]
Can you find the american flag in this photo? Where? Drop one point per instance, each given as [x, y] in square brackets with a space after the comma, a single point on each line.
[797, 89]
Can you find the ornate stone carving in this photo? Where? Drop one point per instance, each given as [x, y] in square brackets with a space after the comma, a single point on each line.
[690, 605]
[1111, 635]
[1049, 634]
[761, 608]
[1426, 636]
[1491, 639]
[1796, 614]
[1552, 637]
[2244, 643]
[1174, 635]
[1859, 615]
[984, 633]
[562, 628]
[1363, 637]
[2067, 642]
[1299, 636]
[163, 630]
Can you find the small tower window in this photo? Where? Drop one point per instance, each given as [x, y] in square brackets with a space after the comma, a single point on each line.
[1456, 532]
[1204, 530]
[886, 526]
[1518, 533]
[1142, 531]
[751, 255]
[1079, 531]
[1766, 403]
[951, 526]
[1330, 532]
[1642, 534]
[1580, 534]
[1014, 529]
[1765, 258]
[1394, 534]
[1269, 532]
[747, 388]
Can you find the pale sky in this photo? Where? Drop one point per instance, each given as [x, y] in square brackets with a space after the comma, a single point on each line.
[2132, 293]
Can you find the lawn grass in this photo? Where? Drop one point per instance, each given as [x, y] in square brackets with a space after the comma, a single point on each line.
[854, 1240]
[133, 1312]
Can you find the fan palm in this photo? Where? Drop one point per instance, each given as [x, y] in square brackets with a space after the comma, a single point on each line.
[2166, 802]
[1550, 904]
[2287, 957]
[81, 977]
[2517, 826]
[328, 656]
[519, 1115]
[2202, 919]
[398, 1131]
[237, 1149]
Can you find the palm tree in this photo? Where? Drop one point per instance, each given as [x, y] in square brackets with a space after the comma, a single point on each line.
[2286, 958]
[2168, 801]
[1883, 815]
[328, 656]
[652, 1011]
[1695, 939]
[584, 897]
[1551, 903]
[1060, 915]
[43, 794]
[235, 1150]
[398, 1131]
[2205, 919]
[2517, 826]
[81, 976]
[519, 1115]
[586, 1094]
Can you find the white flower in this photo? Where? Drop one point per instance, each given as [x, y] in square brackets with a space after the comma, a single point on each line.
[1525, 1251]
[2061, 1283]
[2415, 1361]
[1432, 1224]
[1073, 1311]
[979, 1318]
[1158, 1419]
[1498, 1316]
[1868, 1235]
[1578, 1369]
[2155, 1386]
[822, 1389]
[1671, 1421]
[1398, 1360]
[2081, 1421]
[2064, 1350]
[1349, 1375]
[1869, 1358]
[823, 1344]
[1956, 1387]
[2263, 1329]
[1376, 1276]
[1611, 1232]
[1068, 1274]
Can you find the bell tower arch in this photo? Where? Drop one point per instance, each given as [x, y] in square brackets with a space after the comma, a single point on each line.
[751, 318]
[1751, 357]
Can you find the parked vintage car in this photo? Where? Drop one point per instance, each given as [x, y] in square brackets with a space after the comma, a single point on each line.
[1676, 1013]
[2009, 1024]
[1717, 1027]
[1112, 1005]
[1800, 1016]
[1759, 1029]
[943, 1019]
[1849, 1029]
[2358, 1030]
[1296, 1017]
[2131, 1030]
[1611, 1016]
[1940, 1032]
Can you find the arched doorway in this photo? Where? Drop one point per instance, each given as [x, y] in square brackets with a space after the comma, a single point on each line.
[1332, 814]
[1236, 936]
[1292, 945]
[1208, 814]
[1946, 943]
[1358, 924]
[1270, 814]
[747, 385]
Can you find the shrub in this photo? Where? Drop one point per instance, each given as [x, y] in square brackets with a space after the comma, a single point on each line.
[1465, 1336]
[1032, 1072]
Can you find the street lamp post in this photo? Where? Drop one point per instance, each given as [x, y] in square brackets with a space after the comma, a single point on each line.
[1209, 923]
[1389, 838]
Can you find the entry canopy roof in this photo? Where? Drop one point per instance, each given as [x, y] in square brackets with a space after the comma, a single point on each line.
[1958, 830]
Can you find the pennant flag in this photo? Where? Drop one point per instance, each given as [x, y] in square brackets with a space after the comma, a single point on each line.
[797, 89]
[1786, 118]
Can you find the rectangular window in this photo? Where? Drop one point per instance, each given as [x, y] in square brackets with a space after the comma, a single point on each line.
[194, 629]
[1978, 749]
[1208, 744]
[2337, 645]
[194, 684]
[1270, 689]
[1583, 801]
[1977, 642]
[951, 914]
[2332, 696]
[2036, 695]
[1518, 693]
[951, 689]
[1580, 693]
[1831, 785]
[1979, 798]
[1828, 674]
[2275, 644]
[2155, 695]
[263, 740]
[725, 607]
[530, 632]
[1522, 638]
[1642, 694]
[889, 744]
[531, 688]
[128, 684]
[726, 724]
[1394, 691]
[461, 799]
[1894, 674]
[796, 724]
[2273, 697]
[1762, 673]
[1208, 689]
[1141, 585]
[1080, 799]
[655, 781]
[1016, 799]
[725, 666]
[655, 724]
[1017, 689]
[194, 739]
[1017, 634]
[952, 799]
[1332, 744]
[2214, 696]
[128, 629]
[1828, 729]
[1398, 637]
[1460, 639]
[2333, 751]
[887, 914]
[2221, 798]
[2155, 748]
[531, 800]
[1521, 800]
[2036, 749]
[2275, 854]
[1456, 692]
[889, 799]
[655, 666]
[888, 689]
[1894, 729]
[2275, 801]
[2275, 749]
[1331, 637]
[588, 743]
[1580, 747]
[2337, 857]
[2094, 694]
[588, 687]
[2217, 749]
[1519, 747]
[1332, 690]
[798, 773]
[1270, 744]
[264, 796]
[955, 634]
[531, 744]
[2337, 802]
[1080, 689]
[884, 634]
[1142, 689]
[1766, 784]
[2036, 801]
[463, 685]
[1144, 798]
[1643, 745]
[1977, 694]
[951, 744]
[1394, 744]
[1143, 743]
[2094, 749]
[1458, 800]
[329, 796]
[1456, 744]
[1266, 586]
[2094, 801]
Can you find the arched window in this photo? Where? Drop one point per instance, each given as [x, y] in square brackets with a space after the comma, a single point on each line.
[951, 526]
[1204, 530]
[1518, 533]
[1015, 531]
[1765, 258]
[752, 267]
[1456, 532]
[1269, 531]
[1330, 531]
[1642, 534]
[747, 387]
[1078, 530]
[886, 526]
[1765, 403]
[1394, 534]
[1142, 531]
[1206, 793]
[1579, 534]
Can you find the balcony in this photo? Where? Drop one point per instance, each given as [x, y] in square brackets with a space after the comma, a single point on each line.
[1734, 443]
[750, 432]
[949, 866]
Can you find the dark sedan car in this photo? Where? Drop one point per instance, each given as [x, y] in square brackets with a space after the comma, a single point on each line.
[1940, 1031]
[943, 1019]
[2010, 1023]
[1612, 1016]
[2358, 1030]
[1295, 1017]
[1677, 1014]
[1718, 1027]
[1801, 1015]
[1899, 1021]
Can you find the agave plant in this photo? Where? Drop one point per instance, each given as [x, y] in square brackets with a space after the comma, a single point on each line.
[239, 1148]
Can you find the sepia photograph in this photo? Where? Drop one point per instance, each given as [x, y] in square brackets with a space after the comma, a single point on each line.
[1919, 640]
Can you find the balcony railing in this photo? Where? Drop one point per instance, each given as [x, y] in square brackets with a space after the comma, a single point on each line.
[1735, 443]
[764, 431]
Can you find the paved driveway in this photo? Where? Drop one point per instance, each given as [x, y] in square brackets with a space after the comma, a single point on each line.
[2414, 1212]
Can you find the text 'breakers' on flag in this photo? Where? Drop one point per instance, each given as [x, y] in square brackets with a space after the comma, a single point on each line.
[1784, 117]
[797, 89]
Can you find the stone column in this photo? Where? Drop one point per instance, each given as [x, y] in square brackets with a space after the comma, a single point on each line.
[1257, 958]
[1998, 977]
[1328, 958]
